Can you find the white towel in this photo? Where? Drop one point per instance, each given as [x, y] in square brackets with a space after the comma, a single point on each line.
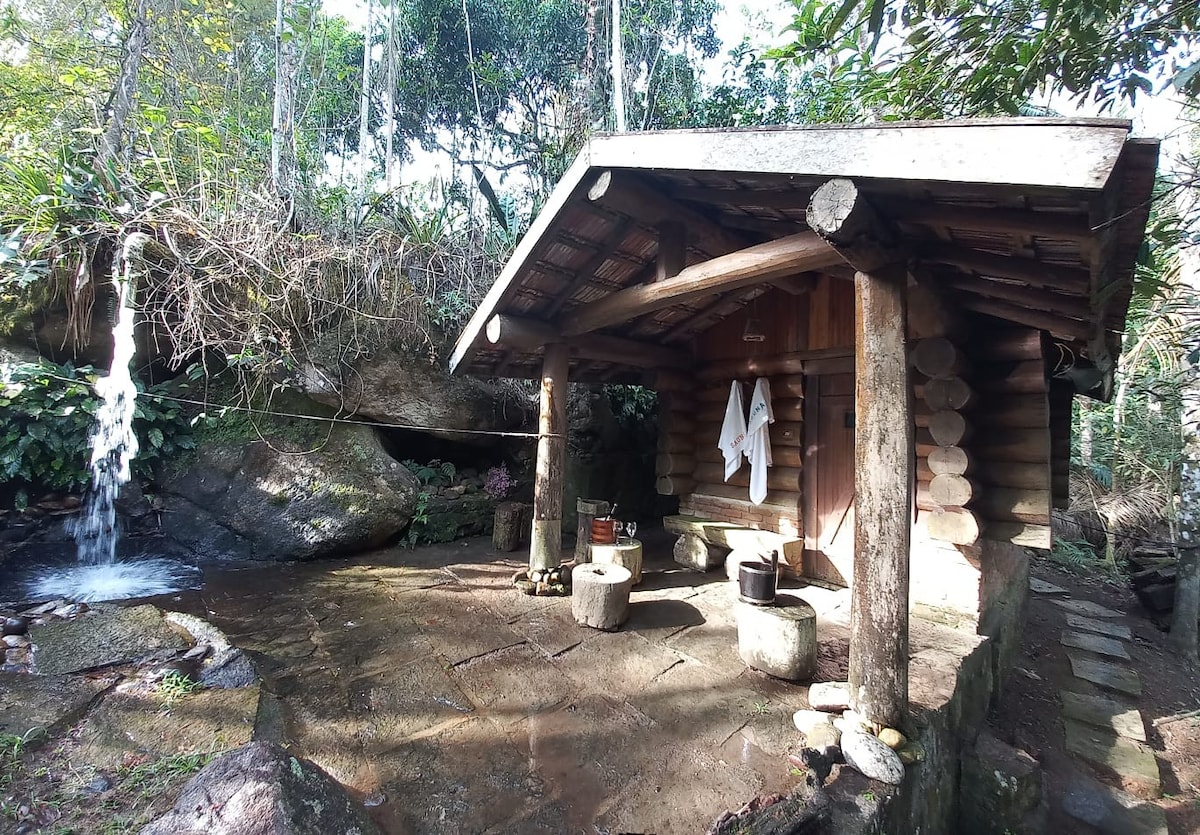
[758, 439]
[733, 431]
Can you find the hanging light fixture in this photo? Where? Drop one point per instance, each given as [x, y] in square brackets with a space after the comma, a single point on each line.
[753, 332]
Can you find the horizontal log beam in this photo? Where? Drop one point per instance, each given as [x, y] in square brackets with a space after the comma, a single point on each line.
[524, 334]
[744, 268]
[1035, 299]
[778, 498]
[793, 363]
[840, 214]
[1053, 225]
[1034, 273]
[1069, 329]
[626, 194]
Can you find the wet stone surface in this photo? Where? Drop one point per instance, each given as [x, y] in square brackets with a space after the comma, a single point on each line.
[102, 637]
[52, 703]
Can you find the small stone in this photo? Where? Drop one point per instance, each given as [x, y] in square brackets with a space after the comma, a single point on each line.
[45, 608]
[830, 696]
[16, 626]
[536, 576]
[16, 641]
[197, 653]
[71, 610]
[374, 799]
[852, 721]
[19, 656]
[806, 720]
[892, 738]
[911, 753]
[823, 738]
[871, 758]
[543, 588]
[98, 785]
[526, 586]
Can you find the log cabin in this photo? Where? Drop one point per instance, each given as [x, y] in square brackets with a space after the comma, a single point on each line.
[925, 299]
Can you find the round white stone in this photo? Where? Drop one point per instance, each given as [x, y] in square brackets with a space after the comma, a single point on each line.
[870, 757]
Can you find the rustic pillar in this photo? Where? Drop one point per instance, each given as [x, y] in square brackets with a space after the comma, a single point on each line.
[545, 541]
[883, 483]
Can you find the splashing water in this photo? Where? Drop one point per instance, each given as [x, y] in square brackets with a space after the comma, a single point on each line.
[114, 444]
[99, 576]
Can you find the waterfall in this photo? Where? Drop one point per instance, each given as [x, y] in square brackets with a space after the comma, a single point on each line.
[98, 574]
[114, 444]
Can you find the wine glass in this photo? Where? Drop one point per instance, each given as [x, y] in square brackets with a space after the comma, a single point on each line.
[631, 530]
[618, 526]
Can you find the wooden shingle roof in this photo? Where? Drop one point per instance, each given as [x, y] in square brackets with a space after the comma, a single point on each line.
[1034, 221]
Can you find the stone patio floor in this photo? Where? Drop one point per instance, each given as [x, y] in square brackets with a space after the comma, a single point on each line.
[422, 679]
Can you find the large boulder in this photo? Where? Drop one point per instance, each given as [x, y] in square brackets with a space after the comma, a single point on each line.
[406, 389]
[335, 491]
[261, 789]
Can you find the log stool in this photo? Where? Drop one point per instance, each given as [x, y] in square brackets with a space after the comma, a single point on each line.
[600, 595]
[586, 510]
[627, 554]
[780, 640]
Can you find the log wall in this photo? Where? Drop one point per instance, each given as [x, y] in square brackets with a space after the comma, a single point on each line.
[799, 330]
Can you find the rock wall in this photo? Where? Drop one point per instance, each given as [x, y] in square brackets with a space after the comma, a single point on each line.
[275, 498]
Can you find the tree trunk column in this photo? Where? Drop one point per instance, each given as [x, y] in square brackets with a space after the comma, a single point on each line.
[883, 483]
[545, 542]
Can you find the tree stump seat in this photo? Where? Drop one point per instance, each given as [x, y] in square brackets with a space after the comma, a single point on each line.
[600, 595]
[626, 554]
[779, 640]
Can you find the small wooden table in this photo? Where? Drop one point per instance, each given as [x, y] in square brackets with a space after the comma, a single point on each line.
[626, 553]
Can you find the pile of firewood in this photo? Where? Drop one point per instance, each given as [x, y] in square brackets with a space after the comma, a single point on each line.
[1152, 576]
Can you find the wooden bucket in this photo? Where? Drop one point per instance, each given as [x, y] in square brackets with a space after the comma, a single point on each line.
[603, 532]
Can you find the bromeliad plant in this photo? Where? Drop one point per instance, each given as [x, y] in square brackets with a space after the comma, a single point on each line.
[47, 413]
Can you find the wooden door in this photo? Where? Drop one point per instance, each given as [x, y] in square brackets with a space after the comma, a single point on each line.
[829, 478]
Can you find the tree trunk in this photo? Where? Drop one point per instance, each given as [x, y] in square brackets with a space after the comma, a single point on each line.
[112, 142]
[364, 106]
[283, 127]
[618, 68]
[1187, 579]
[883, 485]
[545, 545]
[389, 150]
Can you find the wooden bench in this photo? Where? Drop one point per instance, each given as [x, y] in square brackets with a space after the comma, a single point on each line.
[733, 537]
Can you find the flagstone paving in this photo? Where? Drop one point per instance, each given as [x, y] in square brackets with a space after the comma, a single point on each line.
[1132, 762]
[1105, 674]
[1088, 609]
[1094, 643]
[1104, 713]
[1104, 627]
[1104, 732]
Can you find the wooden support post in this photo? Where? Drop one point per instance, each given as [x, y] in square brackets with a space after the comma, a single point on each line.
[883, 483]
[545, 541]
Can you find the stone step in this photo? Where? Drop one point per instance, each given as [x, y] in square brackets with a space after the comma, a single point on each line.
[1104, 627]
[1105, 713]
[1094, 643]
[1105, 674]
[1088, 609]
[1130, 762]
[1111, 811]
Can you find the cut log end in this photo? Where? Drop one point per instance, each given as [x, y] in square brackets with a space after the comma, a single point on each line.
[958, 527]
